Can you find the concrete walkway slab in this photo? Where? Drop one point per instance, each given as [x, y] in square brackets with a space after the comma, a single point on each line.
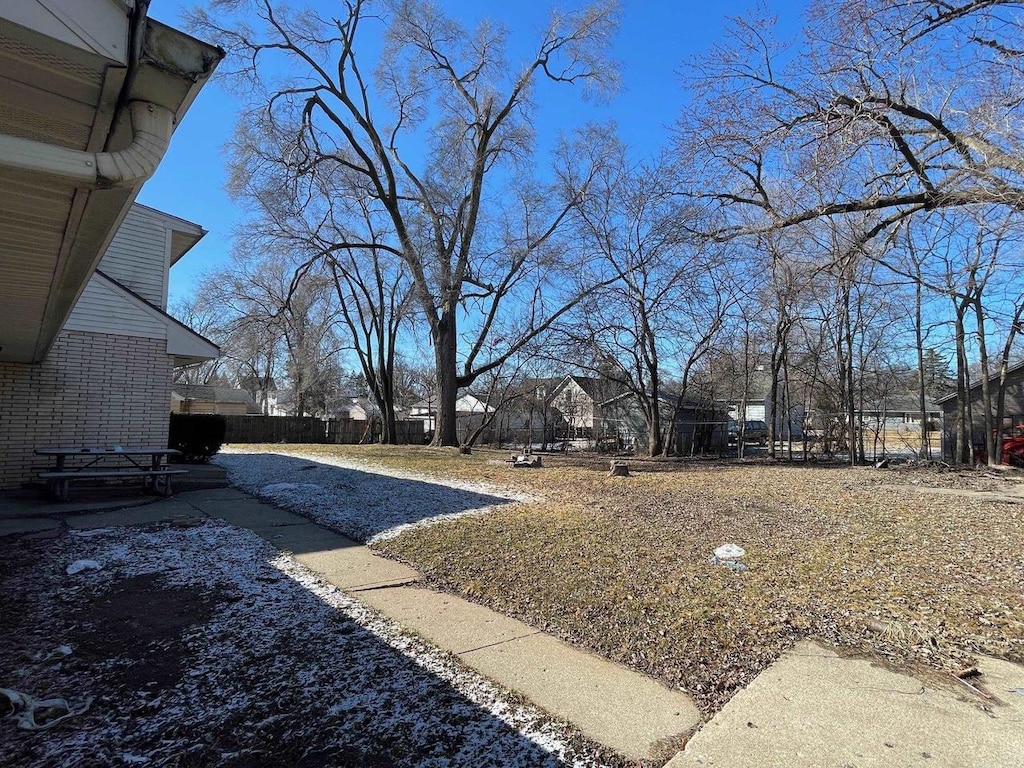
[26, 503]
[302, 539]
[354, 568]
[631, 713]
[156, 512]
[446, 620]
[208, 495]
[813, 708]
[249, 513]
[22, 525]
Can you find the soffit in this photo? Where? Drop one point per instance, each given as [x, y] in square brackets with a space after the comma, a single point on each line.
[61, 95]
[52, 233]
[94, 26]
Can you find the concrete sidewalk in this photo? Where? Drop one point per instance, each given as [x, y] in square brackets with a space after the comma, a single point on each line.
[814, 708]
[624, 710]
[621, 709]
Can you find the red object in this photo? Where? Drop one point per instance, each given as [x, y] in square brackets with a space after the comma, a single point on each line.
[1013, 452]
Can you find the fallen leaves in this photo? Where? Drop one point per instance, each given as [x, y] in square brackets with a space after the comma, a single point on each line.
[624, 570]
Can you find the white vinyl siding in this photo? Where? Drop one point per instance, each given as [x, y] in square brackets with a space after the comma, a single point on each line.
[137, 256]
[756, 412]
[103, 309]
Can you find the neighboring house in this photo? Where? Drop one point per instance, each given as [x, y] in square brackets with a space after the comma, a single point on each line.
[754, 402]
[893, 425]
[263, 391]
[356, 408]
[279, 402]
[527, 418]
[1013, 410]
[90, 93]
[887, 425]
[206, 398]
[755, 405]
[578, 402]
[282, 403]
[470, 411]
[697, 427]
[897, 413]
[542, 411]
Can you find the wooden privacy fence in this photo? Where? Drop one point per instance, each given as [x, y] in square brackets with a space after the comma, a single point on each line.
[309, 429]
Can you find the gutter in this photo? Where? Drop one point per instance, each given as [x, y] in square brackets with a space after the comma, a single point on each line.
[151, 127]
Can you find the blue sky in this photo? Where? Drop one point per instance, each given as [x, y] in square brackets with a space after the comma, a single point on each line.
[655, 38]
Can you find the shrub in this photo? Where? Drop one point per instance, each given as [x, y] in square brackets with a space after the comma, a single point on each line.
[197, 435]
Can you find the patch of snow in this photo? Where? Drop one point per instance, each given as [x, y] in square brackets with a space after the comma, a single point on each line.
[83, 565]
[91, 532]
[364, 501]
[281, 645]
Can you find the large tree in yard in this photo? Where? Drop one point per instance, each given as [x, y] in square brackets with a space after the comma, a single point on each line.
[886, 117]
[426, 132]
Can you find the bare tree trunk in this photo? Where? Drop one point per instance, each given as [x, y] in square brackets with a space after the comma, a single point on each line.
[924, 450]
[787, 405]
[963, 438]
[780, 354]
[653, 413]
[986, 401]
[846, 344]
[446, 430]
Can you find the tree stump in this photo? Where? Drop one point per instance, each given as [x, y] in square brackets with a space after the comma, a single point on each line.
[620, 469]
[529, 461]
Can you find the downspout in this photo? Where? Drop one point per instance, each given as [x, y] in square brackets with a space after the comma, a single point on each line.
[151, 127]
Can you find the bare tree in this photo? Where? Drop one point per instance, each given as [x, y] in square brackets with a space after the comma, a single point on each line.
[665, 293]
[479, 238]
[276, 326]
[205, 318]
[902, 107]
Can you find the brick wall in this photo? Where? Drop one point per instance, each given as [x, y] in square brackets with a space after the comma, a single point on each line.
[92, 389]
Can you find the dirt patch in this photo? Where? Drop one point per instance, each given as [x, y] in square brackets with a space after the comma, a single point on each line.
[140, 622]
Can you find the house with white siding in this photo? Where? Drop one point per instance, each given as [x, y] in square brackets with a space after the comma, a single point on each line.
[107, 378]
[578, 401]
[90, 95]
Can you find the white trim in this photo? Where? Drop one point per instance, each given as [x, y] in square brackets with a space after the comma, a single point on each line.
[165, 274]
[182, 341]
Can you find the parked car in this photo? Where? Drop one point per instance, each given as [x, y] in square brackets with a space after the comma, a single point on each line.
[754, 431]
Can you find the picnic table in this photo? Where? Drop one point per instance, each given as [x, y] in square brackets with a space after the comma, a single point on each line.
[149, 464]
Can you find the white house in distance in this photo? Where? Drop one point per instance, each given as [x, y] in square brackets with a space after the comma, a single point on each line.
[469, 411]
[90, 94]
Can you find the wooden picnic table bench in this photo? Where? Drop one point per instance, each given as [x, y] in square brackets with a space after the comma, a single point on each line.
[109, 463]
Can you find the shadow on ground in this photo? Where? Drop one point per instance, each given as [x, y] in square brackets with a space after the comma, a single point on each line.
[200, 648]
[359, 503]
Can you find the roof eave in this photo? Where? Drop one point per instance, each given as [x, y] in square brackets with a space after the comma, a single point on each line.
[171, 70]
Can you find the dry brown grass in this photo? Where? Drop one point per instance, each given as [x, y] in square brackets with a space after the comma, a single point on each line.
[620, 565]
